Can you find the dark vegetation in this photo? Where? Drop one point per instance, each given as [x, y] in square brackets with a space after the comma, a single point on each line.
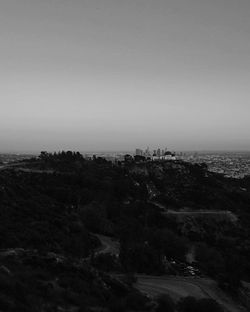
[190, 304]
[51, 210]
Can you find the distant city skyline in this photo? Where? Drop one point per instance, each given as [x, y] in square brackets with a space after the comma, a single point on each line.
[112, 75]
[92, 152]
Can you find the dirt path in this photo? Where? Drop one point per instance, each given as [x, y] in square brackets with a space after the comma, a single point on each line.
[109, 245]
[19, 166]
[203, 213]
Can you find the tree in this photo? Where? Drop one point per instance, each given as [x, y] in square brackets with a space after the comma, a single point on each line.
[169, 244]
[210, 259]
[208, 305]
[139, 158]
[187, 304]
[191, 304]
[165, 304]
[128, 158]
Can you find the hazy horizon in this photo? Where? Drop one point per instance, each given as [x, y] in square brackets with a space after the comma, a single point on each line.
[84, 152]
[115, 75]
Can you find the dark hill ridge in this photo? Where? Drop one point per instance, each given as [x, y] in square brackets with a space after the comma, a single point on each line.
[50, 207]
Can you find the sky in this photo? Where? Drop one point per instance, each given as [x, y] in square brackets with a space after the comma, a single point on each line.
[93, 75]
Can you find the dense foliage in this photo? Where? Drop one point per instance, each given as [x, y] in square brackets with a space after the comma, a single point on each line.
[56, 203]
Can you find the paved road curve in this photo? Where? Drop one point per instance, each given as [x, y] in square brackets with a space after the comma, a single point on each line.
[179, 287]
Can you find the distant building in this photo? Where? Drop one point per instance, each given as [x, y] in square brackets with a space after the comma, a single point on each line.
[139, 152]
[166, 156]
[147, 152]
[169, 156]
[159, 154]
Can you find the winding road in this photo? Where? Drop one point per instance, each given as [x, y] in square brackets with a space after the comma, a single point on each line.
[175, 286]
[179, 287]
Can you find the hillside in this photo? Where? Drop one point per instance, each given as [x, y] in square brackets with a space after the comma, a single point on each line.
[57, 209]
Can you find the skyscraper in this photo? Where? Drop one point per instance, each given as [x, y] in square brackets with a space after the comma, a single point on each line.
[138, 152]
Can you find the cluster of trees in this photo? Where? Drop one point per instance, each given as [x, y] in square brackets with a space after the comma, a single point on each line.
[187, 304]
[164, 303]
[68, 155]
[148, 253]
[35, 282]
[31, 219]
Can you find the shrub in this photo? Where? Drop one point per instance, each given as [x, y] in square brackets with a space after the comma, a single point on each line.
[165, 304]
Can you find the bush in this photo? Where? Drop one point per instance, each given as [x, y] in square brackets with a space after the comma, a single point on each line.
[105, 262]
[208, 305]
[187, 304]
[191, 304]
[165, 304]
[117, 305]
[136, 301]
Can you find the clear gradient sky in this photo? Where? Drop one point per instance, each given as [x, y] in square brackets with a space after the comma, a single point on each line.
[119, 74]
